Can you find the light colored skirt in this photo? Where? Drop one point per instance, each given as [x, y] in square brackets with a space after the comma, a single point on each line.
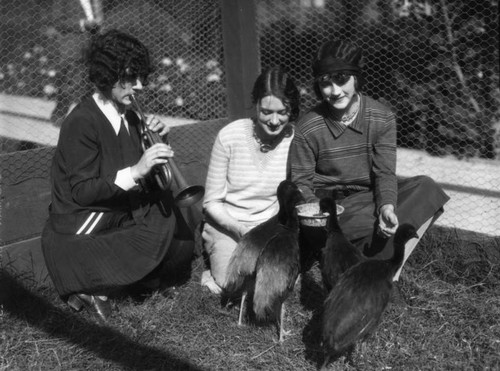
[219, 246]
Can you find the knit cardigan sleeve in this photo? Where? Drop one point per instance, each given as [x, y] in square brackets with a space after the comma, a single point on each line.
[302, 162]
[215, 187]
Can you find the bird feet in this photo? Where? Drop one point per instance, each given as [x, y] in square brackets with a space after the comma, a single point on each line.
[284, 333]
[242, 308]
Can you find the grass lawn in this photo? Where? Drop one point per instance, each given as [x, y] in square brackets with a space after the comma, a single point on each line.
[452, 322]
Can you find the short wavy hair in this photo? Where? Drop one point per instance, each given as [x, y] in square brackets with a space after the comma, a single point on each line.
[276, 81]
[116, 56]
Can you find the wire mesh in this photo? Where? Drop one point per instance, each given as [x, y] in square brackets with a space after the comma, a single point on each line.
[44, 44]
[434, 62]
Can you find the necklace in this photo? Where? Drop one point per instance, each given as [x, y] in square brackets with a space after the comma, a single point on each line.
[349, 117]
[264, 147]
[345, 119]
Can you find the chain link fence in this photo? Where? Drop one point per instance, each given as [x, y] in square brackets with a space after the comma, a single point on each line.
[44, 43]
[434, 62]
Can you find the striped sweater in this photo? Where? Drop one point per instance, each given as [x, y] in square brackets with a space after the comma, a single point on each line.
[243, 178]
[326, 154]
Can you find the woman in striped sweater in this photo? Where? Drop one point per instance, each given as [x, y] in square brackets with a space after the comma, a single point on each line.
[247, 163]
[346, 147]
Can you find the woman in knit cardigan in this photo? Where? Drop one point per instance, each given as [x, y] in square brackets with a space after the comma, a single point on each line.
[346, 147]
[247, 163]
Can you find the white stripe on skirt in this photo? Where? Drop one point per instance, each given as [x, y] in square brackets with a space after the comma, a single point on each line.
[89, 219]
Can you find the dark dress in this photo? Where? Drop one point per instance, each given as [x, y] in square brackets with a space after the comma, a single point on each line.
[98, 235]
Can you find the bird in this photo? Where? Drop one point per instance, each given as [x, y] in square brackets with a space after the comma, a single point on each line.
[354, 307]
[339, 253]
[241, 271]
[278, 265]
[240, 275]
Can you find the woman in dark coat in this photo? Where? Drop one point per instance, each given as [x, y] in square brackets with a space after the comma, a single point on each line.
[109, 224]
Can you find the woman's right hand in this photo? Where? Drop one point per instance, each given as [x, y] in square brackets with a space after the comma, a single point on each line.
[388, 221]
[157, 154]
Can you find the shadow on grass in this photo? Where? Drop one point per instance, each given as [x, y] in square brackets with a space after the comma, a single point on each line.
[104, 342]
[312, 296]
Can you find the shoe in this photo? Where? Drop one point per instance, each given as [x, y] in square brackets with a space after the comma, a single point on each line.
[102, 307]
[75, 303]
[208, 281]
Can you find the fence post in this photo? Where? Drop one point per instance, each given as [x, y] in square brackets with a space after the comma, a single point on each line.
[241, 56]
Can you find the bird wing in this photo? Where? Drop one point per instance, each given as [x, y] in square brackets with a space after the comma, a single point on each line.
[339, 254]
[241, 265]
[277, 270]
[353, 309]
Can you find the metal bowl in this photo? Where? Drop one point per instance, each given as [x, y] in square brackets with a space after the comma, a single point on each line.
[311, 216]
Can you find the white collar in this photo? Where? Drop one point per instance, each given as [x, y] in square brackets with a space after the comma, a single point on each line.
[109, 110]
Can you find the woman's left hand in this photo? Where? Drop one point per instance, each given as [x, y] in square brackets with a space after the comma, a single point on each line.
[387, 221]
[156, 125]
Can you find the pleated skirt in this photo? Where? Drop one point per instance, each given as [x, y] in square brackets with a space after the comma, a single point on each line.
[121, 254]
[419, 199]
